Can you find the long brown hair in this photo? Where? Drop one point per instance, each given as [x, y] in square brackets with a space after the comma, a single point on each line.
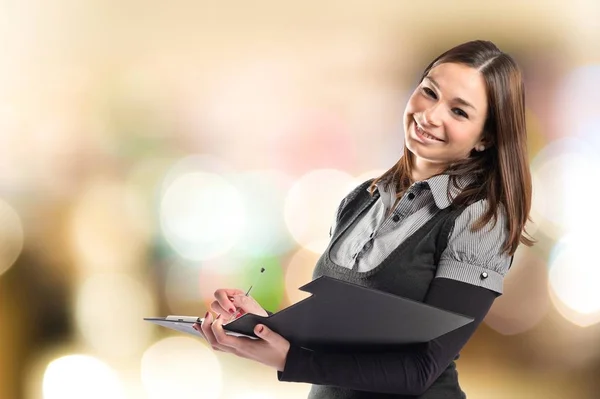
[501, 171]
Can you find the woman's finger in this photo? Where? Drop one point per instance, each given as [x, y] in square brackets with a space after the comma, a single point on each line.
[216, 307]
[223, 296]
[248, 305]
[207, 331]
[231, 344]
[198, 327]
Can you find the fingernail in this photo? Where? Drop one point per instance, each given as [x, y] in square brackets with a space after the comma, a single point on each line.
[232, 310]
[261, 328]
[206, 315]
[218, 316]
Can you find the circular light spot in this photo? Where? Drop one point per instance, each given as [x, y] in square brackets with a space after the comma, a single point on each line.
[11, 236]
[201, 215]
[181, 367]
[563, 192]
[109, 313]
[263, 195]
[74, 376]
[311, 206]
[573, 280]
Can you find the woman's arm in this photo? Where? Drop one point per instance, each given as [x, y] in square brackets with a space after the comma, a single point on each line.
[410, 372]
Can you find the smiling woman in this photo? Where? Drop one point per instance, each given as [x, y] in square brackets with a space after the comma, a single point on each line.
[422, 230]
[436, 113]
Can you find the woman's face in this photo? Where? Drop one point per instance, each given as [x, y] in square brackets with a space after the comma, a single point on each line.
[445, 115]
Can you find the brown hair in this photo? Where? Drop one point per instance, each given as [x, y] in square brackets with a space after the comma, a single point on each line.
[501, 171]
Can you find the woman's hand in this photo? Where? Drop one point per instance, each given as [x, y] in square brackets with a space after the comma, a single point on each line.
[228, 301]
[271, 349]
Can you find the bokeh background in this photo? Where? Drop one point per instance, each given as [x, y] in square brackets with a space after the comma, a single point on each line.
[151, 152]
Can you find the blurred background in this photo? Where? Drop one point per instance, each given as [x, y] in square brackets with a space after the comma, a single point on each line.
[151, 152]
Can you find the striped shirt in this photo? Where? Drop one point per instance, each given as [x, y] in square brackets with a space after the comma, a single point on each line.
[471, 257]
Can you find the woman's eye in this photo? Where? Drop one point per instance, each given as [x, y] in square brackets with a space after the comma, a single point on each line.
[460, 112]
[429, 92]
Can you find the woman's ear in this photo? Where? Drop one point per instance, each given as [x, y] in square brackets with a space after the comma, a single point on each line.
[484, 143]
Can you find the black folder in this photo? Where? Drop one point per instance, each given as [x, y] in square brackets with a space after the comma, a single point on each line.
[343, 314]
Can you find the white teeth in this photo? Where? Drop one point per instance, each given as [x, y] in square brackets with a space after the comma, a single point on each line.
[426, 134]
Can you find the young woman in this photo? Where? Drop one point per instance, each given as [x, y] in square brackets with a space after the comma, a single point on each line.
[440, 227]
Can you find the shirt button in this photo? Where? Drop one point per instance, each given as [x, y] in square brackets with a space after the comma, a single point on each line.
[396, 218]
[484, 275]
[411, 196]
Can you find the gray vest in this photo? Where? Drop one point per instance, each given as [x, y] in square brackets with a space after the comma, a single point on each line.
[406, 272]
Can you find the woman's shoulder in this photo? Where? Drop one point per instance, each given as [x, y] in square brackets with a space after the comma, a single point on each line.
[470, 236]
[476, 256]
[474, 211]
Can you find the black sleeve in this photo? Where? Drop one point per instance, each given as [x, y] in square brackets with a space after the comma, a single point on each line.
[407, 372]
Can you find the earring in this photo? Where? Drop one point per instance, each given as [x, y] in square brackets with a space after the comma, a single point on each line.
[480, 147]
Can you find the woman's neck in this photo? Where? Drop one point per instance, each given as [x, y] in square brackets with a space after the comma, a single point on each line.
[423, 170]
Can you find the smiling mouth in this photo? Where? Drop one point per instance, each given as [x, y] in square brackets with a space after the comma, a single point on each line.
[424, 134]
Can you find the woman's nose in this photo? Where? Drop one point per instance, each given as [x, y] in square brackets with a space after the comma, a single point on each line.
[431, 116]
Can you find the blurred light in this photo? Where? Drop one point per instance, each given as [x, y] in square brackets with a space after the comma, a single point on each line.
[267, 288]
[109, 312]
[189, 288]
[263, 194]
[308, 145]
[180, 367]
[525, 300]
[253, 395]
[574, 277]
[578, 99]
[14, 171]
[182, 288]
[537, 208]
[145, 178]
[225, 265]
[109, 227]
[201, 215]
[299, 272]
[11, 236]
[253, 99]
[76, 376]
[311, 206]
[564, 192]
[535, 137]
[372, 174]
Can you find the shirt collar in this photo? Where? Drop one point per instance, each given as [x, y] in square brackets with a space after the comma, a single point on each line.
[438, 186]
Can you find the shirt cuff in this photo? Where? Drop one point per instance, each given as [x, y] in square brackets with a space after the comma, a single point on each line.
[471, 274]
[296, 364]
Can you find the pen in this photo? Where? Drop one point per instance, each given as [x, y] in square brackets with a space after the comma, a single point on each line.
[236, 314]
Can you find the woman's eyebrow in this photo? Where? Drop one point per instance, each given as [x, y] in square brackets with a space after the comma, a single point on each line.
[456, 99]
